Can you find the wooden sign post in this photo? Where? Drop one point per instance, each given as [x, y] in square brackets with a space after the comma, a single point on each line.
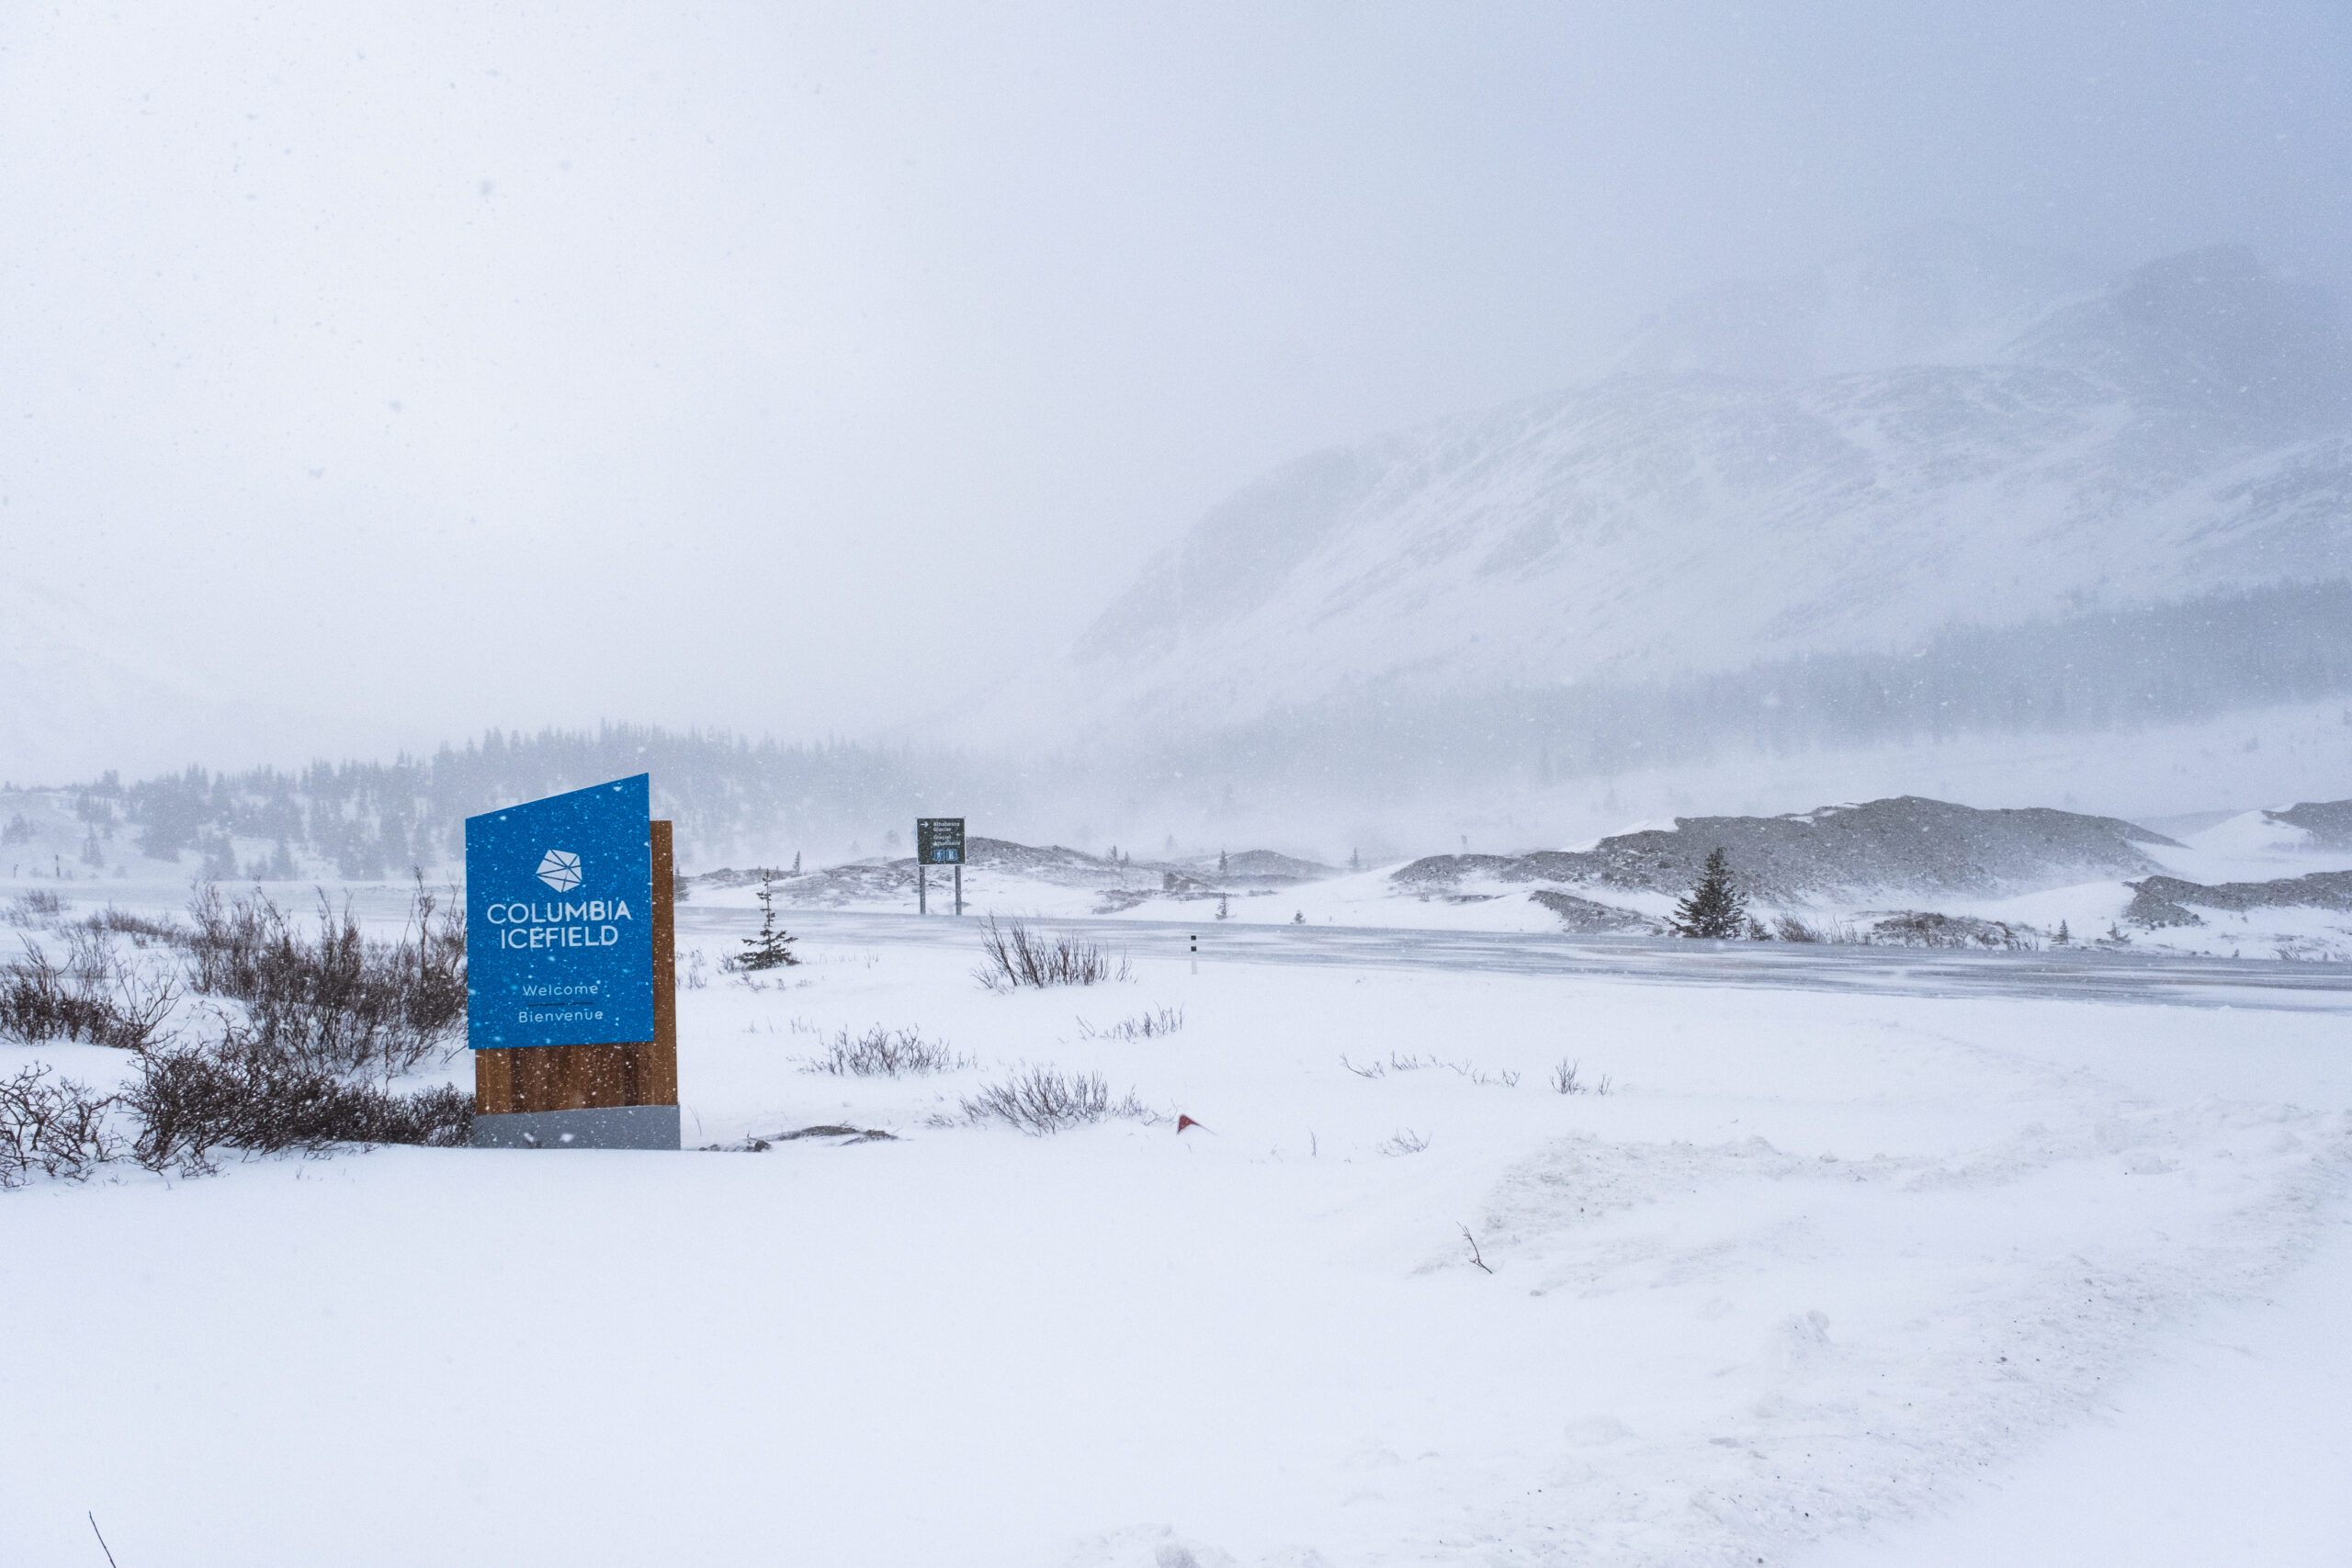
[553, 980]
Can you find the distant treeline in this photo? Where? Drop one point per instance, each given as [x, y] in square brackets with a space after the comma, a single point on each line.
[375, 819]
[2124, 670]
[733, 799]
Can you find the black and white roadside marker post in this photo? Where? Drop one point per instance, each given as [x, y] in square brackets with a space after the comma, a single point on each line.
[939, 841]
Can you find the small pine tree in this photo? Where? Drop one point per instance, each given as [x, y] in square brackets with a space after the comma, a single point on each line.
[795, 862]
[1714, 907]
[1355, 860]
[1220, 863]
[1299, 919]
[1223, 911]
[2064, 936]
[772, 949]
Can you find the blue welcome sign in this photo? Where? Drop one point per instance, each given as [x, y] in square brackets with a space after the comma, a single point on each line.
[559, 919]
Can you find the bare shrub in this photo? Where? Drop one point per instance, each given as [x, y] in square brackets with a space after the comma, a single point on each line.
[1017, 957]
[144, 931]
[335, 999]
[248, 1093]
[93, 996]
[1406, 1141]
[54, 1125]
[1566, 1081]
[1504, 1076]
[1159, 1021]
[34, 906]
[882, 1053]
[1039, 1100]
[1476, 1256]
[1923, 928]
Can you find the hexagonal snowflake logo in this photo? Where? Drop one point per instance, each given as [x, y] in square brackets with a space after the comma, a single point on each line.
[559, 869]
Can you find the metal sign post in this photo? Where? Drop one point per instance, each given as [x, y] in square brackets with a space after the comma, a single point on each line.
[939, 841]
[570, 975]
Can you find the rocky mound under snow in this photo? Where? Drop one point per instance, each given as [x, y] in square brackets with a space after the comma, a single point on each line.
[1907, 843]
[2167, 900]
[2329, 822]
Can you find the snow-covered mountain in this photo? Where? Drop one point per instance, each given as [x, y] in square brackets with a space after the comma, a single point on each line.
[1941, 295]
[2181, 432]
[84, 688]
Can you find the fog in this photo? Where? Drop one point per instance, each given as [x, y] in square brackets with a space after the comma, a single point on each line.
[374, 375]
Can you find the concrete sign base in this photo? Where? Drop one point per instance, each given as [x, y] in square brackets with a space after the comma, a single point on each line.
[607, 1127]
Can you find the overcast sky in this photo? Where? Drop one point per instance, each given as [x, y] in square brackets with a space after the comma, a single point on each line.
[421, 367]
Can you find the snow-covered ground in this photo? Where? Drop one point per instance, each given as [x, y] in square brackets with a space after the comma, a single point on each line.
[2242, 847]
[1824, 1278]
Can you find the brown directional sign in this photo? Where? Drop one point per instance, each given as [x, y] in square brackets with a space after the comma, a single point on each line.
[939, 841]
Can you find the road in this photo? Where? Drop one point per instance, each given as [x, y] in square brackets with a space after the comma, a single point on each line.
[2073, 974]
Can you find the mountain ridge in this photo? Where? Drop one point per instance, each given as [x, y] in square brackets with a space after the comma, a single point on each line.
[2185, 430]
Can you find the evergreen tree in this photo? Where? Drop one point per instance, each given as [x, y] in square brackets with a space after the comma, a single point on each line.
[1714, 907]
[1220, 863]
[772, 949]
[2064, 936]
[1223, 911]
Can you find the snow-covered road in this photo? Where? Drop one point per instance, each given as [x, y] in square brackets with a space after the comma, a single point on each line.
[2079, 973]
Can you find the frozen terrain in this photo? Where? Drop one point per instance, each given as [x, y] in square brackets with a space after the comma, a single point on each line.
[1905, 871]
[1826, 1276]
[2049, 457]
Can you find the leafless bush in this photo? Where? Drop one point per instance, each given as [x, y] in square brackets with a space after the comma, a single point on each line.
[1920, 928]
[1017, 957]
[1143, 1026]
[1566, 1081]
[1476, 1256]
[1415, 1064]
[247, 1093]
[1792, 928]
[144, 931]
[335, 999]
[35, 906]
[882, 1053]
[1039, 1100]
[93, 996]
[1406, 1141]
[54, 1125]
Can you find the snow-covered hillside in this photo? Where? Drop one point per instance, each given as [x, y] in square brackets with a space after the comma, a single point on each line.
[85, 687]
[2179, 434]
[1936, 295]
